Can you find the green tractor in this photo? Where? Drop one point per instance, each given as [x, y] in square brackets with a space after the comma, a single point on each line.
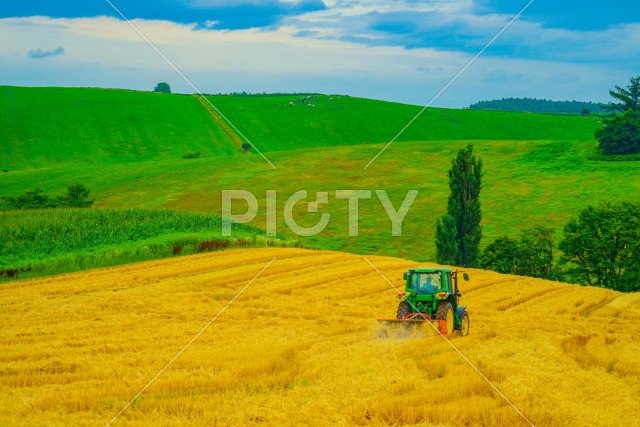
[431, 295]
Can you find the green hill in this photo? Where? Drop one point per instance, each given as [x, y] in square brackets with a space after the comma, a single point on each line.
[52, 127]
[127, 148]
[273, 124]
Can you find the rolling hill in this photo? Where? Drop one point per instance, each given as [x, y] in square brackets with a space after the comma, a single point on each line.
[538, 168]
[62, 127]
[300, 345]
[54, 127]
[274, 125]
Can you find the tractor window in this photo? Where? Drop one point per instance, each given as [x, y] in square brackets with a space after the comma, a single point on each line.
[425, 283]
[449, 283]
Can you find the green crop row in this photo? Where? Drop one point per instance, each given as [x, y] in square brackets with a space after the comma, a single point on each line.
[78, 239]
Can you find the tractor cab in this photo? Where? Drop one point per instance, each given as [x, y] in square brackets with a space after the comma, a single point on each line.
[425, 283]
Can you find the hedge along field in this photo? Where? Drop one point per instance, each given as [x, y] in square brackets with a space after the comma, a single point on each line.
[301, 346]
[47, 241]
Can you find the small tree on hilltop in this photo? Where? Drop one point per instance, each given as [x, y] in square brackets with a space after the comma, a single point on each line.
[246, 146]
[163, 87]
[465, 183]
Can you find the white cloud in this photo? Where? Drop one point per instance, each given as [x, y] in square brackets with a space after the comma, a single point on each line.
[111, 41]
[236, 3]
[107, 52]
[361, 7]
[458, 26]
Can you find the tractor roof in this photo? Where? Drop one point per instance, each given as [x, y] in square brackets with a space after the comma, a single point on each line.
[430, 269]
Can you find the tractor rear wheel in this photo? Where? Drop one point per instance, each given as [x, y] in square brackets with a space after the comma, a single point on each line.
[404, 309]
[464, 325]
[445, 312]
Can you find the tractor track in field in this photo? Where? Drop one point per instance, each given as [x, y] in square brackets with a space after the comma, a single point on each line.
[233, 136]
[481, 287]
[326, 279]
[525, 298]
[590, 308]
[487, 285]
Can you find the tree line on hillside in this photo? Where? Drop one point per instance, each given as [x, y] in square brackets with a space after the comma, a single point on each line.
[164, 87]
[534, 105]
[600, 247]
[77, 197]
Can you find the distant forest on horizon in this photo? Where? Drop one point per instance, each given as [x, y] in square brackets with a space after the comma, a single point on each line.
[533, 105]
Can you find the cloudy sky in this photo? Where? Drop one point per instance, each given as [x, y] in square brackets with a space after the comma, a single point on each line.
[400, 50]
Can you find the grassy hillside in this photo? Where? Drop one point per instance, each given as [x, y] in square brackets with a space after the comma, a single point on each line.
[525, 184]
[301, 346]
[58, 127]
[537, 167]
[63, 127]
[273, 124]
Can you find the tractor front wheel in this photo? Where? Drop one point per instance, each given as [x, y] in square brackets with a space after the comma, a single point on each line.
[445, 312]
[464, 325]
[404, 309]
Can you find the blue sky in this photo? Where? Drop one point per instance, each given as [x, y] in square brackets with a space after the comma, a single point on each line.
[401, 50]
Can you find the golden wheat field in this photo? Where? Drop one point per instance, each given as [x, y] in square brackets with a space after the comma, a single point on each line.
[301, 346]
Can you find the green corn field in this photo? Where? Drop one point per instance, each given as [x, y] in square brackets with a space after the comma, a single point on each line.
[47, 241]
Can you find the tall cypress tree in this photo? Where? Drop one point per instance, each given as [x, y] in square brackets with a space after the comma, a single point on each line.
[465, 183]
[446, 246]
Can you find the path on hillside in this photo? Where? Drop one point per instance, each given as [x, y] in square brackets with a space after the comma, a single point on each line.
[237, 141]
